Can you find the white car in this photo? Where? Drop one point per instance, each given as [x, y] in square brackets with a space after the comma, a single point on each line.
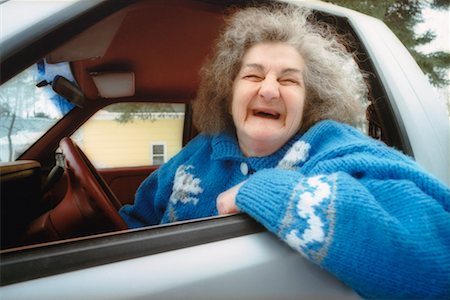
[136, 63]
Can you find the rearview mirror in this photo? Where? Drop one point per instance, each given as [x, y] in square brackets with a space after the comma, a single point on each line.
[68, 90]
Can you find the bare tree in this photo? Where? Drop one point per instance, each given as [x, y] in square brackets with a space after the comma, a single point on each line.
[16, 96]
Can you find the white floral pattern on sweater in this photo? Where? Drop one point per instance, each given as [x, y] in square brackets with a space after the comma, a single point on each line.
[297, 154]
[310, 203]
[186, 187]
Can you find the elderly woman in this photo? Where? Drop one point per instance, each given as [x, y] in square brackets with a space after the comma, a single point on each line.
[271, 107]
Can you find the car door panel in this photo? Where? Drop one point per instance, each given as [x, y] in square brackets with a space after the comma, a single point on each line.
[125, 181]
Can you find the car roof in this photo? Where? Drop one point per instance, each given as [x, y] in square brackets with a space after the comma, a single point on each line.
[114, 45]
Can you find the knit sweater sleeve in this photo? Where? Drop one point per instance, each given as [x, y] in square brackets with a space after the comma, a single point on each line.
[384, 238]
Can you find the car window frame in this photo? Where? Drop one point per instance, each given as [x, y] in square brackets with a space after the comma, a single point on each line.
[41, 260]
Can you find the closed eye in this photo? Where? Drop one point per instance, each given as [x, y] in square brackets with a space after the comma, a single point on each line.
[253, 77]
[289, 81]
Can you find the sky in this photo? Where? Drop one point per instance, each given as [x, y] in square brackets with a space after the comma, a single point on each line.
[439, 22]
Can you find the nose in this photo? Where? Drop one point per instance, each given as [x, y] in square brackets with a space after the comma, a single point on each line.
[269, 89]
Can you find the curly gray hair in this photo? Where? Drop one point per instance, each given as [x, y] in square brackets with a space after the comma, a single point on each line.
[335, 87]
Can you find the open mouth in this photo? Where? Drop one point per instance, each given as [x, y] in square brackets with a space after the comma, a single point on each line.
[267, 114]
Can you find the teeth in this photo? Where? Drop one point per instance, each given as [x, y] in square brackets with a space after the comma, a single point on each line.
[265, 114]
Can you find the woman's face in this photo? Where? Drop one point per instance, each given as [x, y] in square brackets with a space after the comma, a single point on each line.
[268, 98]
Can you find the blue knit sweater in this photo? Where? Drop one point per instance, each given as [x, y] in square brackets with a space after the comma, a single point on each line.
[363, 211]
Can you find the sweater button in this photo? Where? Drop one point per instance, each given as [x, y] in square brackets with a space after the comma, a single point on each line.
[244, 169]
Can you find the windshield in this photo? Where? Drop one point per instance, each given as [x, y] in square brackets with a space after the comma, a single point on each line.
[29, 107]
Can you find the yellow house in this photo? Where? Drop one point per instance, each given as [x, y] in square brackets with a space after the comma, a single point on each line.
[140, 142]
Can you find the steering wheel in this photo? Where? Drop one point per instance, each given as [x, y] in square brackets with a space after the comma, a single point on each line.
[89, 206]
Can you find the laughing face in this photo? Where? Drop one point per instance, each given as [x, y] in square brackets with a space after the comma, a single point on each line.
[268, 98]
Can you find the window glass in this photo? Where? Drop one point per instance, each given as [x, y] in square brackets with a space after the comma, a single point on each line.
[132, 134]
[158, 153]
[29, 107]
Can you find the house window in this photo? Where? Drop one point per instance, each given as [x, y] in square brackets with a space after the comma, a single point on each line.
[158, 153]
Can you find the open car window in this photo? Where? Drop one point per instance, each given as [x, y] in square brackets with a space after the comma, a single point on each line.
[123, 131]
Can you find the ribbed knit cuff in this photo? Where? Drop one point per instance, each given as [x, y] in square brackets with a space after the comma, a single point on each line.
[265, 196]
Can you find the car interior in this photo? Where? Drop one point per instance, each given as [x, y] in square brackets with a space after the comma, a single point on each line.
[135, 51]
